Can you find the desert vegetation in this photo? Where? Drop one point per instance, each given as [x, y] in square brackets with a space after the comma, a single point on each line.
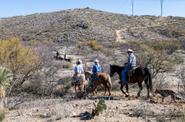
[35, 86]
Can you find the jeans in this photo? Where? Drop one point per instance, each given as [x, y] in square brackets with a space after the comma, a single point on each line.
[124, 74]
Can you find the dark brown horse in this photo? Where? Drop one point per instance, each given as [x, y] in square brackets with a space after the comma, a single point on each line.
[102, 78]
[137, 75]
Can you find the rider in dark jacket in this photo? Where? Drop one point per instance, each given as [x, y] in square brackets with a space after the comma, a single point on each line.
[96, 69]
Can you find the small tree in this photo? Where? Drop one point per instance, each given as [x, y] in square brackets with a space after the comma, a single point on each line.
[21, 60]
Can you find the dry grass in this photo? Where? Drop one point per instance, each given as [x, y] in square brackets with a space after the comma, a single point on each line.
[145, 112]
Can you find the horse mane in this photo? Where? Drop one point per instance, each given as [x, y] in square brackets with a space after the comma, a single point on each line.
[118, 66]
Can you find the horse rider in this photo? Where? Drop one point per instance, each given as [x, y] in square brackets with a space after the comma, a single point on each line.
[129, 66]
[97, 68]
[78, 71]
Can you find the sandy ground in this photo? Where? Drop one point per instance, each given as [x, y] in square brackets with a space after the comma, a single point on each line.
[68, 110]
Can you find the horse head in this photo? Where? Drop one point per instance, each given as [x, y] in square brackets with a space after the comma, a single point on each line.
[88, 74]
[115, 69]
[111, 70]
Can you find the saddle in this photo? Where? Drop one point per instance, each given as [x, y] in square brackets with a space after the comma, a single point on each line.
[131, 74]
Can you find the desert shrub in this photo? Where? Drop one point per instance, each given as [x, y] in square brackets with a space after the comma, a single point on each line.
[67, 65]
[169, 46]
[5, 77]
[157, 60]
[95, 45]
[22, 61]
[2, 115]
[100, 107]
[177, 59]
[18, 58]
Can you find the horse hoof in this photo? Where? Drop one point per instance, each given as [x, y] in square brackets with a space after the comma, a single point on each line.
[126, 95]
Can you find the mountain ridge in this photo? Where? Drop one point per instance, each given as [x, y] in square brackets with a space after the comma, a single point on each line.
[75, 25]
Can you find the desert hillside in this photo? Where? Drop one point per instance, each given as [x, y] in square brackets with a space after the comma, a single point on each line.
[39, 52]
[85, 24]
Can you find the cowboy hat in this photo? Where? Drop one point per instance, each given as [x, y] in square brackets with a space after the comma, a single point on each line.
[130, 50]
[96, 61]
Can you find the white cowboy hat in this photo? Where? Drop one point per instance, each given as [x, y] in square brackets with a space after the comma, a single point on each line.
[130, 50]
[96, 61]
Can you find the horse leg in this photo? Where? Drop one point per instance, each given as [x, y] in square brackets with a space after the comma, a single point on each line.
[140, 89]
[75, 90]
[85, 88]
[121, 88]
[105, 89]
[127, 90]
[109, 89]
[94, 89]
[147, 86]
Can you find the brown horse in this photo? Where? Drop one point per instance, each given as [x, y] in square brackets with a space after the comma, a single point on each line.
[102, 78]
[137, 75]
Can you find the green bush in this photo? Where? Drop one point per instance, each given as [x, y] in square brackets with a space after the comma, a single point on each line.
[2, 115]
[101, 106]
[5, 77]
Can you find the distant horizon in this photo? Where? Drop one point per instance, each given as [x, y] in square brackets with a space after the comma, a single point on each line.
[84, 8]
[14, 8]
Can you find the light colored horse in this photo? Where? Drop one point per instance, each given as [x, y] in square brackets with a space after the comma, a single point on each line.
[80, 83]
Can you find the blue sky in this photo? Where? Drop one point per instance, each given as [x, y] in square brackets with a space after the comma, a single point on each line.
[141, 7]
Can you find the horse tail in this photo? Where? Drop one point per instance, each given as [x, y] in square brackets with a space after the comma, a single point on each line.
[109, 81]
[149, 78]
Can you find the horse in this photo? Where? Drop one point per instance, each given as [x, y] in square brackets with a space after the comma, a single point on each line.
[81, 83]
[102, 78]
[137, 75]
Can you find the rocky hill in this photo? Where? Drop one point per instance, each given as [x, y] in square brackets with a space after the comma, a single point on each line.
[49, 95]
[85, 24]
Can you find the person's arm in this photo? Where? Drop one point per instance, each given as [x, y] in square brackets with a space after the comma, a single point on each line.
[101, 68]
[82, 68]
